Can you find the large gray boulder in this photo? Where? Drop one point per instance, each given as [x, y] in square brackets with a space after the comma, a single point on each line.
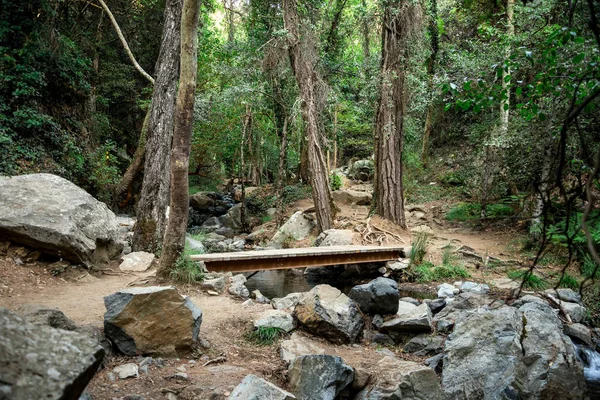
[399, 379]
[319, 377]
[380, 296]
[275, 319]
[510, 353]
[255, 388]
[334, 237]
[297, 346]
[152, 320]
[409, 318]
[38, 361]
[51, 214]
[288, 302]
[361, 170]
[327, 312]
[41, 315]
[297, 227]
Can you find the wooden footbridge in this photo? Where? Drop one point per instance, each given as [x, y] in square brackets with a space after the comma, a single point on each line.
[258, 260]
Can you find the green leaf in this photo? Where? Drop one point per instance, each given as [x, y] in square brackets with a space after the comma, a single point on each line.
[519, 91]
[542, 116]
[578, 58]
[467, 86]
[505, 106]
[447, 106]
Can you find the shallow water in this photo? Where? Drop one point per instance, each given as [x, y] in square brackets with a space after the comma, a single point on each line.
[591, 369]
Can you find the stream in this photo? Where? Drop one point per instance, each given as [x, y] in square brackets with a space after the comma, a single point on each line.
[591, 369]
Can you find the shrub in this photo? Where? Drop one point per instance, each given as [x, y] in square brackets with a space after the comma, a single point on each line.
[464, 212]
[264, 336]
[294, 193]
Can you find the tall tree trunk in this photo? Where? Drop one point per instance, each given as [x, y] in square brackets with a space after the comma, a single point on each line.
[246, 132]
[366, 43]
[154, 198]
[303, 59]
[434, 36]
[491, 162]
[174, 240]
[400, 20]
[279, 214]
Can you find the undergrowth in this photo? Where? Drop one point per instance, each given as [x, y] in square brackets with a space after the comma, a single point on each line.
[186, 270]
[418, 247]
[532, 281]
[428, 272]
[264, 336]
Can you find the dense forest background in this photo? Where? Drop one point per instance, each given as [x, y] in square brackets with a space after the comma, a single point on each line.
[500, 100]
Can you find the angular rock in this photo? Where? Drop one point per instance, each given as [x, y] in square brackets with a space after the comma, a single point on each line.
[297, 227]
[472, 287]
[202, 201]
[447, 290]
[380, 296]
[334, 237]
[565, 294]
[41, 360]
[425, 345]
[286, 303]
[151, 320]
[528, 298]
[49, 213]
[258, 297]
[575, 311]
[398, 379]
[436, 363]
[377, 321]
[319, 377]
[275, 319]
[349, 196]
[195, 245]
[411, 301]
[361, 170]
[297, 346]
[396, 266]
[211, 225]
[216, 284]
[550, 367]
[381, 338]
[129, 370]
[327, 312]
[237, 287]
[255, 388]
[482, 355]
[409, 318]
[436, 305]
[138, 261]
[579, 332]
[40, 315]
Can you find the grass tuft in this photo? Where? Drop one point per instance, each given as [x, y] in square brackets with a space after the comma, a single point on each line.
[428, 272]
[532, 281]
[264, 336]
[569, 281]
[186, 270]
[418, 248]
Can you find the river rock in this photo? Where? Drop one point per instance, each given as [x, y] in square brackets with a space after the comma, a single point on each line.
[425, 345]
[473, 287]
[319, 377]
[211, 225]
[215, 285]
[49, 213]
[349, 196]
[233, 218]
[298, 345]
[41, 315]
[380, 296]
[38, 361]
[286, 303]
[297, 227]
[194, 245]
[258, 297]
[237, 287]
[399, 379]
[138, 261]
[202, 201]
[151, 320]
[361, 170]
[565, 294]
[334, 237]
[124, 371]
[409, 318]
[575, 311]
[275, 319]
[579, 332]
[327, 312]
[447, 290]
[255, 388]
[398, 265]
[436, 305]
[481, 356]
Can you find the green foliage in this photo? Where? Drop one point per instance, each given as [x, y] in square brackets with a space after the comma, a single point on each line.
[418, 247]
[186, 270]
[258, 204]
[427, 272]
[265, 336]
[532, 281]
[294, 193]
[588, 267]
[464, 212]
[335, 181]
[569, 281]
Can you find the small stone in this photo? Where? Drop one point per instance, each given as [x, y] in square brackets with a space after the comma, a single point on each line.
[446, 290]
[179, 376]
[215, 285]
[212, 293]
[125, 371]
[411, 300]
[138, 261]
[181, 368]
[248, 303]
[111, 377]
[377, 321]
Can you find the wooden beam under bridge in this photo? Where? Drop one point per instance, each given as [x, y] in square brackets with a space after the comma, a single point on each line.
[260, 260]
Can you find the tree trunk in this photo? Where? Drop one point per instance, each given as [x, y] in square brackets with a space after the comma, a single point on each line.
[154, 198]
[400, 21]
[303, 59]
[279, 214]
[174, 240]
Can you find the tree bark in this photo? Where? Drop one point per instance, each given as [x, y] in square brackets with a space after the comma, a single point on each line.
[400, 19]
[303, 59]
[154, 198]
[174, 240]
[279, 214]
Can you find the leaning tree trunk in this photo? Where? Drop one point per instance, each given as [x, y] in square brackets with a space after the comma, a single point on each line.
[154, 198]
[174, 240]
[303, 60]
[399, 23]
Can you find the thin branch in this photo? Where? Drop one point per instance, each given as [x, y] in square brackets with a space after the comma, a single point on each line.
[124, 42]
